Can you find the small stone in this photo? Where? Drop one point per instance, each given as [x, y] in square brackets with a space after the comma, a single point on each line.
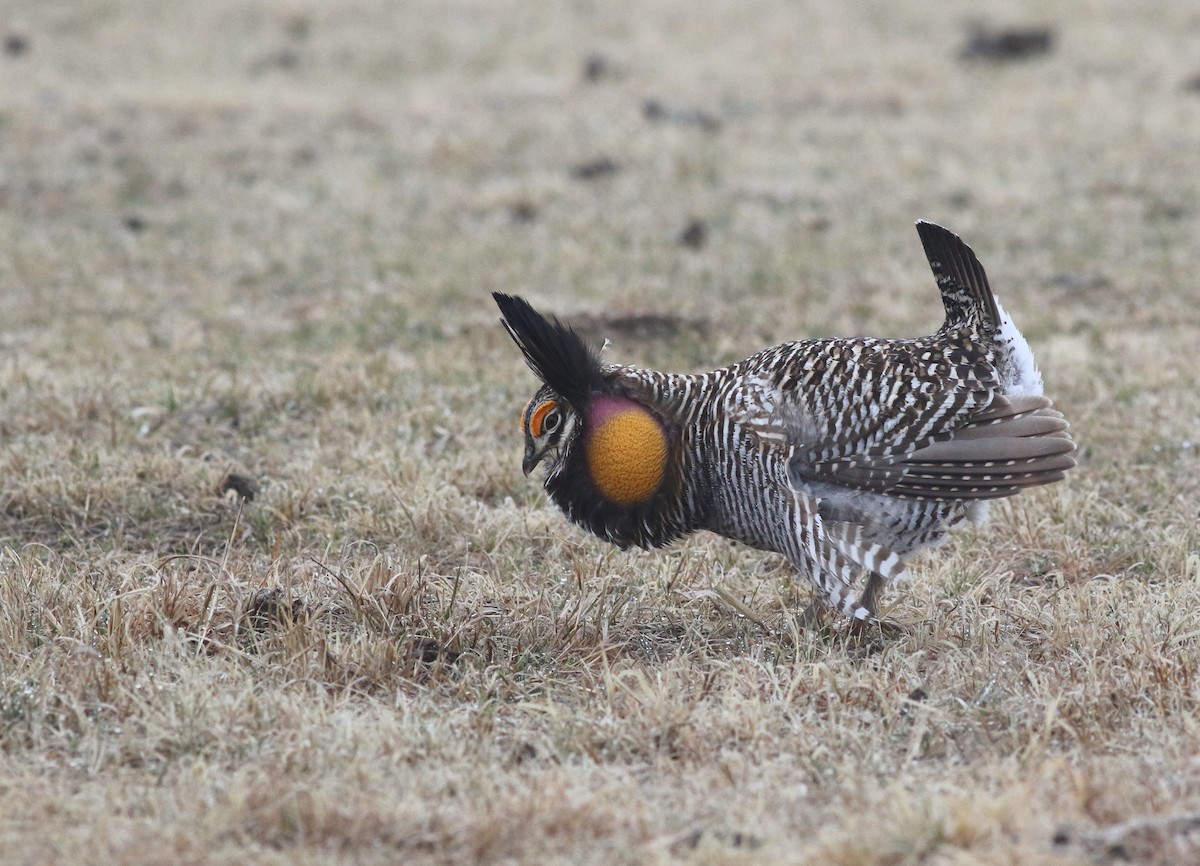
[523, 211]
[246, 488]
[695, 235]
[595, 168]
[595, 67]
[15, 44]
[1008, 43]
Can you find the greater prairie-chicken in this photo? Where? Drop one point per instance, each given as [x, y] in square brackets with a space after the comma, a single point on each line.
[845, 455]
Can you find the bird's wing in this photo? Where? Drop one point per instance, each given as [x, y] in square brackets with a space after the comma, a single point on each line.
[919, 419]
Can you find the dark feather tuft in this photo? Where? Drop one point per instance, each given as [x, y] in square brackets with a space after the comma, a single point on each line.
[964, 284]
[556, 354]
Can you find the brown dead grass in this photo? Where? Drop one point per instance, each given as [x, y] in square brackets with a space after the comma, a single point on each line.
[259, 239]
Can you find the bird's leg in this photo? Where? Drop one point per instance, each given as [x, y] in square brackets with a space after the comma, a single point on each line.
[870, 594]
[869, 599]
[813, 615]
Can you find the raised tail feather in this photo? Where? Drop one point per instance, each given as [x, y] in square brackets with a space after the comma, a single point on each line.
[966, 294]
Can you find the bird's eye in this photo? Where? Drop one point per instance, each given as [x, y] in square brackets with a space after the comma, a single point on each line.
[539, 419]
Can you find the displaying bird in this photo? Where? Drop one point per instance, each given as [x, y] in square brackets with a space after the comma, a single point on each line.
[845, 455]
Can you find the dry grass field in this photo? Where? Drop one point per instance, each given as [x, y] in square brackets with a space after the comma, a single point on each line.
[259, 239]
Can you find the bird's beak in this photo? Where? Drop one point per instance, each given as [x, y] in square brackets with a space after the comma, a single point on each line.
[530, 462]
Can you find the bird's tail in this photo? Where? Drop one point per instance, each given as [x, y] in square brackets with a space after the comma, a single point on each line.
[966, 294]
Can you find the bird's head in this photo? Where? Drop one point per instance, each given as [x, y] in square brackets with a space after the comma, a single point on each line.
[548, 422]
[600, 442]
[571, 374]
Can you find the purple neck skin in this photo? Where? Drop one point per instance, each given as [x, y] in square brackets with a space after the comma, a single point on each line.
[604, 407]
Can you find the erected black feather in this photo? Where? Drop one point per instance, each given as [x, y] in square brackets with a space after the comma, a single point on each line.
[966, 294]
[556, 354]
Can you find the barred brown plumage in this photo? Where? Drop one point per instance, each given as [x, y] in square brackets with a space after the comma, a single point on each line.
[846, 455]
